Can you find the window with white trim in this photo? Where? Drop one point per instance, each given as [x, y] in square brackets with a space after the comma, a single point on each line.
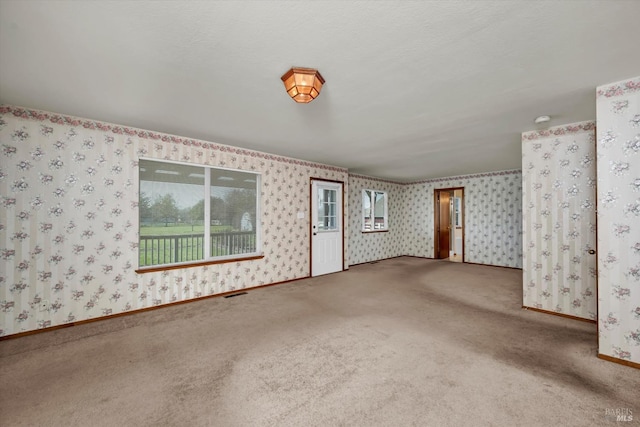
[374, 210]
[191, 213]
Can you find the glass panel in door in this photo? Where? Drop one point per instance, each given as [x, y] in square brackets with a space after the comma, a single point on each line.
[327, 210]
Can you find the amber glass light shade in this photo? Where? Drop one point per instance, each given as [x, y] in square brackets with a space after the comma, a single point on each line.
[303, 84]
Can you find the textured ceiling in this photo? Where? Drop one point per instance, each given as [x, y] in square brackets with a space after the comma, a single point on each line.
[414, 90]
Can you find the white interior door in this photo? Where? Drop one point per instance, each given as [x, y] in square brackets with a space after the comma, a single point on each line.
[326, 227]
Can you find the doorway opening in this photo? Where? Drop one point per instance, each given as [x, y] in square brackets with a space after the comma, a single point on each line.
[449, 224]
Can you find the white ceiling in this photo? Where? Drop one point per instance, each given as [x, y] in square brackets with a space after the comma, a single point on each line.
[414, 90]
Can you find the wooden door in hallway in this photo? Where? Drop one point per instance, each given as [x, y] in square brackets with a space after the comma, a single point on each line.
[443, 223]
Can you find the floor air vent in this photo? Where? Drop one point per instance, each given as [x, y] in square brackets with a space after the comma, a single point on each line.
[235, 295]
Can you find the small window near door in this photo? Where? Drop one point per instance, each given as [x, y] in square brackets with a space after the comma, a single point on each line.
[374, 210]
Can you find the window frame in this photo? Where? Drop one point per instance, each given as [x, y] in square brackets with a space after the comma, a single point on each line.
[257, 254]
[385, 225]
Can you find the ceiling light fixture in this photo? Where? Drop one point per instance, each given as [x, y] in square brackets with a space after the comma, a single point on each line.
[303, 84]
[541, 119]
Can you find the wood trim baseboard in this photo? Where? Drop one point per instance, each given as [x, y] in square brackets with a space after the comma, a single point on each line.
[142, 310]
[619, 361]
[568, 316]
[392, 257]
[376, 260]
[426, 257]
[493, 265]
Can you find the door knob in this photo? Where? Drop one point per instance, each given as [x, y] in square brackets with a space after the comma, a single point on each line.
[591, 251]
[315, 234]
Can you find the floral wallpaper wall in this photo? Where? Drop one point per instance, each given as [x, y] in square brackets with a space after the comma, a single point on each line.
[618, 148]
[69, 222]
[366, 247]
[492, 217]
[559, 220]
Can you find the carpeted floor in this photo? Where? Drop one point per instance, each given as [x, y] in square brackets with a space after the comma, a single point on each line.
[399, 342]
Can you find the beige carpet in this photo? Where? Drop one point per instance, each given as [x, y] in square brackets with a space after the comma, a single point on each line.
[400, 342]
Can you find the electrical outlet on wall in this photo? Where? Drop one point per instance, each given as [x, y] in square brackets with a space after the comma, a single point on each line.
[44, 305]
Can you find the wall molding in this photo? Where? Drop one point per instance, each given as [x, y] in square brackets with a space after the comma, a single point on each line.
[378, 260]
[567, 316]
[443, 179]
[477, 175]
[373, 178]
[60, 119]
[620, 88]
[619, 361]
[491, 265]
[574, 128]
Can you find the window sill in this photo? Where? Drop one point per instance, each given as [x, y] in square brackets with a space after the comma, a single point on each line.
[375, 231]
[153, 269]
